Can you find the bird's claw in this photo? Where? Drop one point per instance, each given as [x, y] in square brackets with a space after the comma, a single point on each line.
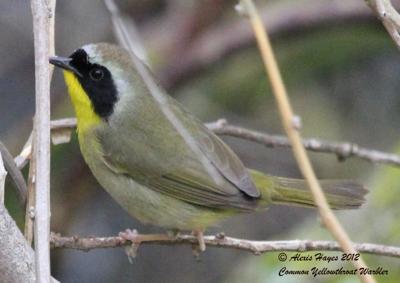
[130, 235]
[201, 247]
[173, 233]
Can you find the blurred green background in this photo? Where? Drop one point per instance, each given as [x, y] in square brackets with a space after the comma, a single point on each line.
[341, 70]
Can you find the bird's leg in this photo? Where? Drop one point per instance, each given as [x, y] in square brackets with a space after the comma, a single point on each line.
[198, 233]
[130, 235]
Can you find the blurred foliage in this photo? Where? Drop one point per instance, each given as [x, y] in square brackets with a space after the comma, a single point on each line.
[238, 84]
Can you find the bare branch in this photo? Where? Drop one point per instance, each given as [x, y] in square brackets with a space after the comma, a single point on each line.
[342, 150]
[119, 20]
[30, 204]
[16, 256]
[15, 174]
[219, 240]
[17, 262]
[17, 259]
[390, 18]
[66, 123]
[292, 125]
[23, 157]
[43, 30]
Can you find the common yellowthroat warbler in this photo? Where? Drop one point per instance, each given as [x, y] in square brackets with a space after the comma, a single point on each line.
[146, 165]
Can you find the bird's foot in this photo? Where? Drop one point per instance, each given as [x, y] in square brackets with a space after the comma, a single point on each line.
[173, 233]
[130, 235]
[201, 247]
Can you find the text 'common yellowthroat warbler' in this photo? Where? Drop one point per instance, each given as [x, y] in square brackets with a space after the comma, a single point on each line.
[148, 167]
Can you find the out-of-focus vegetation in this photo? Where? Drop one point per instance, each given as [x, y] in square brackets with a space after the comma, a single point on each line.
[343, 81]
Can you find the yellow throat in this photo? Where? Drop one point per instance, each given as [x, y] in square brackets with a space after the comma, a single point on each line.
[85, 115]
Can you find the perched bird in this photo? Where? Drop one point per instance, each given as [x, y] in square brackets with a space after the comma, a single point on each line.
[146, 163]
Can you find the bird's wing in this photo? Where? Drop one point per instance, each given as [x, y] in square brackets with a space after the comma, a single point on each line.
[186, 183]
[225, 161]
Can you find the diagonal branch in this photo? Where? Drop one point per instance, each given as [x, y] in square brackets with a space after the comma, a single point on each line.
[292, 124]
[390, 18]
[218, 240]
[15, 174]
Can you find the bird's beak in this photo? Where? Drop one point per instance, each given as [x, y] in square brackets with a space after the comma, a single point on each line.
[64, 63]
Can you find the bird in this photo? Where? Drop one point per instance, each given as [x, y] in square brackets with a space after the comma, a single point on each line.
[157, 160]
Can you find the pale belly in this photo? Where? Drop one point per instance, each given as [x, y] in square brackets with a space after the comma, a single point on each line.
[145, 204]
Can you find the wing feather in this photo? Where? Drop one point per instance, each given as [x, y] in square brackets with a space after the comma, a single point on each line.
[145, 146]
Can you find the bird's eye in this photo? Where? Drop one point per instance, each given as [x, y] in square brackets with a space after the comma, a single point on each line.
[96, 74]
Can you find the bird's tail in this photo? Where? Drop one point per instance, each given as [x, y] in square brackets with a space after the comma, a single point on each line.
[341, 194]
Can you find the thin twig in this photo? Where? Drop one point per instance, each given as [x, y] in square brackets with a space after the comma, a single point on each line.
[219, 240]
[15, 174]
[343, 150]
[30, 205]
[119, 20]
[43, 29]
[25, 155]
[390, 18]
[291, 125]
